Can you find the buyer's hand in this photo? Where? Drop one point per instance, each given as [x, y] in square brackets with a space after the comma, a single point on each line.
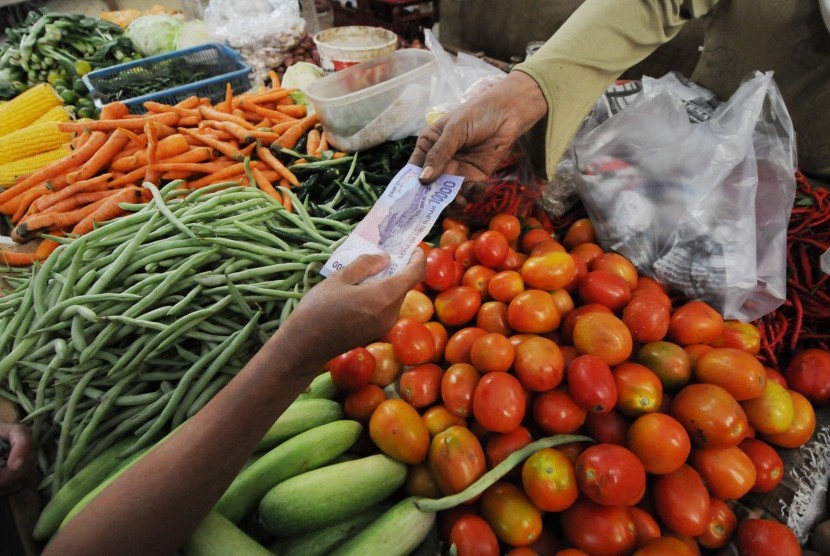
[20, 457]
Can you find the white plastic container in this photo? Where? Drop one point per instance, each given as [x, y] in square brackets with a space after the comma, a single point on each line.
[342, 47]
[379, 100]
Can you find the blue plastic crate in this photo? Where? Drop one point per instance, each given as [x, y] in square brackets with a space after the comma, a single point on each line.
[222, 63]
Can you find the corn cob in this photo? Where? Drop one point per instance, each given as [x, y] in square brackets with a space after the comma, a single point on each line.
[32, 139]
[54, 114]
[10, 171]
[27, 107]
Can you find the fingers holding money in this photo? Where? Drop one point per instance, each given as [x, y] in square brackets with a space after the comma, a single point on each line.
[363, 267]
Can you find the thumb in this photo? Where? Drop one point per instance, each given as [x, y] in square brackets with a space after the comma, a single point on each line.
[363, 267]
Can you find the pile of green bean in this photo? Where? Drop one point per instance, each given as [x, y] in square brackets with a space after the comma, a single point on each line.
[127, 331]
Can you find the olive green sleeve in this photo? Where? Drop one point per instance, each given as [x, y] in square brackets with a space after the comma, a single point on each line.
[600, 40]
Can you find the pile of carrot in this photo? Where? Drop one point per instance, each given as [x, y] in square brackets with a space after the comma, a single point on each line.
[193, 140]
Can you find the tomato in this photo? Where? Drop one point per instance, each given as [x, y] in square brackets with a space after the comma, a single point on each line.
[580, 231]
[472, 536]
[499, 402]
[420, 385]
[647, 318]
[439, 269]
[599, 530]
[360, 404]
[491, 248]
[397, 429]
[603, 335]
[538, 364]
[727, 472]
[511, 514]
[606, 288]
[419, 482]
[492, 352]
[736, 371]
[610, 427]
[502, 444]
[808, 373]
[478, 277]
[492, 317]
[506, 223]
[774, 375]
[547, 246]
[682, 501]
[744, 336]
[769, 467]
[532, 237]
[802, 427]
[572, 552]
[439, 334]
[663, 546]
[660, 441]
[772, 412]
[591, 384]
[549, 271]
[465, 254]
[570, 320]
[668, 361]
[610, 475]
[387, 366]
[695, 322]
[619, 265]
[460, 343]
[352, 370]
[457, 386]
[533, 311]
[450, 223]
[721, 526]
[563, 301]
[645, 524]
[639, 390]
[549, 480]
[456, 459]
[417, 306]
[437, 418]
[505, 285]
[513, 261]
[695, 351]
[711, 416]
[587, 251]
[555, 412]
[766, 537]
[457, 305]
[452, 237]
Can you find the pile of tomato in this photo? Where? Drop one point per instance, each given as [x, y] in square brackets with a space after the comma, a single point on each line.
[515, 335]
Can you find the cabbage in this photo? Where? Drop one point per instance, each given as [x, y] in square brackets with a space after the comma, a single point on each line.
[302, 74]
[154, 33]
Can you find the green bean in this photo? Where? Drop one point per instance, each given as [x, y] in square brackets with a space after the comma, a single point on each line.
[137, 323]
[165, 210]
[60, 470]
[185, 301]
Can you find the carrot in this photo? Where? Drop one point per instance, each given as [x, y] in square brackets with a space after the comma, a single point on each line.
[338, 154]
[34, 224]
[192, 167]
[129, 178]
[292, 135]
[163, 130]
[197, 154]
[222, 175]
[73, 160]
[47, 246]
[248, 150]
[219, 135]
[159, 108]
[26, 200]
[170, 176]
[270, 95]
[241, 133]
[102, 157]
[265, 185]
[312, 143]
[80, 199]
[98, 183]
[265, 156]
[172, 145]
[167, 118]
[13, 258]
[324, 144]
[189, 102]
[275, 79]
[152, 175]
[109, 209]
[221, 146]
[228, 97]
[190, 121]
[114, 110]
[213, 114]
[138, 140]
[274, 115]
[294, 110]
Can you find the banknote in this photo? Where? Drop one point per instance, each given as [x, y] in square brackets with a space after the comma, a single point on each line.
[398, 221]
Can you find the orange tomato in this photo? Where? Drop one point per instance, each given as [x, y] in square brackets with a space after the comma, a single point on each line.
[668, 361]
[695, 322]
[728, 472]
[619, 265]
[736, 371]
[581, 231]
[511, 514]
[460, 343]
[492, 352]
[438, 419]
[711, 416]
[603, 335]
[772, 412]
[397, 429]
[533, 311]
[802, 427]
[639, 390]
[505, 285]
[660, 441]
[549, 271]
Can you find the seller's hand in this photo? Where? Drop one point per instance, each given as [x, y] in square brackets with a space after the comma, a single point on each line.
[474, 138]
[20, 458]
[342, 313]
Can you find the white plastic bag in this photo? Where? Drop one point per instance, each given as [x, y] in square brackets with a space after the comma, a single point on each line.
[701, 207]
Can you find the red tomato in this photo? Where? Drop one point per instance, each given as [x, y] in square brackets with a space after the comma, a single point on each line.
[682, 501]
[352, 370]
[772, 412]
[570, 320]
[439, 334]
[420, 385]
[660, 441]
[802, 427]
[695, 322]
[606, 288]
[538, 364]
[639, 390]
[587, 251]
[533, 311]
[550, 271]
[765, 537]
[412, 341]
[491, 248]
[457, 305]
[668, 361]
[610, 475]
[646, 525]
[599, 530]
[513, 261]
[505, 285]
[808, 373]
[501, 445]
[465, 254]
[499, 402]
[694, 351]
[727, 472]
[549, 480]
[744, 336]
[360, 404]
[664, 546]
[437, 418]
[492, 352]
[721, 527]
[457, 387]
[649, 285]
[506, 223]
[440, 269]
[460, 343]
[396, 428]
[591, 384]
[532, 237]
[555, 412]
[547, 246]
[387, 366]
[514, 518]
[492, 317]
[647, 318]
[736, 371]
[769, 467]
[603, 335]
[472, 536]
[610, 427]
[478, 277]
[581, 231]
[711, 416]
[452, 237]
[456, 459]
[619, 265]
[417, 306]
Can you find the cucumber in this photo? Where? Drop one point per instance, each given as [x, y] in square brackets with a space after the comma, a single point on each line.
[216, 536]
[298, 417]
[306, 451]
[92, 475]
[327, 495]
[323, 541]
[397, 532]
[321, 387]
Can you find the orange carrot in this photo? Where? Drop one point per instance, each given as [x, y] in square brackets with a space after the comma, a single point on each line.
[275, 79]
[213, 114]
[13, 258]
[312, 143]
[114, 111]
[221, 146]
[270, 95]
[197, 154]
[189, 102]
[324, 144]
[80, 199]
[159, 108]
[151, 131]
[98, 183]
[294, 110]
[265, 156]
[34, 224]
[163, 130]
[129, 178]
[168, 118]
[47, 246]
[190, 121]
[192, 167]
[228, 97]
[137, 140]
[170, 176]
[101, 158]
[73, 160]
[172, 145]
[224, 174]
[241, 133]
[274, 115]
[109, 209]
[26, 200]
[292, 135]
